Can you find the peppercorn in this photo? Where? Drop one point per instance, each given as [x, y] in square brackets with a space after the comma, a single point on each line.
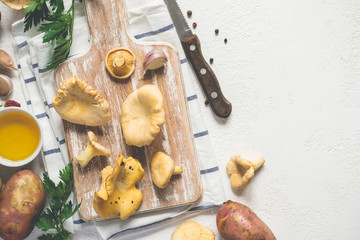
[225, 40]
[194, 25]
[216, 31]
[189, 13]
[211, 60]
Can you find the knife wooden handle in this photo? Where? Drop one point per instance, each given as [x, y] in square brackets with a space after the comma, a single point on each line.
[209, 83]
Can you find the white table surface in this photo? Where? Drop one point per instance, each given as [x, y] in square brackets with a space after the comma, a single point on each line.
[292, 72]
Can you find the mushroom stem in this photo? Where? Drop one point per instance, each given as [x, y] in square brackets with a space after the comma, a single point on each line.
[92, 149]
[119, 62]
[257, 163]
[86, 155]
[177, 170]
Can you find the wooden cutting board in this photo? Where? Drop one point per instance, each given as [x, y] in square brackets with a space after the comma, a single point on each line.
[107, 21]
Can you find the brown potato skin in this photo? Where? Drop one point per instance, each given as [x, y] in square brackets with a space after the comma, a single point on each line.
[235, 221]
[21, 202]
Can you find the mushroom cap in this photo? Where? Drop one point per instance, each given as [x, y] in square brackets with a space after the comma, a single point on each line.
[192, 230]
[142, 115]
[162, 168]
[118, 194]
[120, 62]
[78, 102]
[16, 4]
[105, 172]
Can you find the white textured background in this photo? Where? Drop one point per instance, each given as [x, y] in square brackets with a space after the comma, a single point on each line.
[292, 72]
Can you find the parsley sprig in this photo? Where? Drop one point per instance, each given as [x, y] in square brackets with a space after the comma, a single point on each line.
[57, 25]
[60, 209]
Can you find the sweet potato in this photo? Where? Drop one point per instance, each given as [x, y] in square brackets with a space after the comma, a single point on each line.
[236, 221]
[21, 202]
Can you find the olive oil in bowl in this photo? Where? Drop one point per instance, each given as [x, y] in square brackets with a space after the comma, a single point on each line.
[20, 136]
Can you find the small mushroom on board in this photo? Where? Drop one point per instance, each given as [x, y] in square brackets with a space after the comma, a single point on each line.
[142, 115]
[241, 171]
[162, 168]
[120, 62]
[6, 60]
[192, 230]
[92, 149]
[78, 102]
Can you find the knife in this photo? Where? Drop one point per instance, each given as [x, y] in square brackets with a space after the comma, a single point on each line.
[191, 45]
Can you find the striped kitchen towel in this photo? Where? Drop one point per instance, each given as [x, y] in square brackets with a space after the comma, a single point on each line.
[149, 21]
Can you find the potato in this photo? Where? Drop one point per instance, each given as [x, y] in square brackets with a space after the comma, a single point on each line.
[21, 202]
[236, 221]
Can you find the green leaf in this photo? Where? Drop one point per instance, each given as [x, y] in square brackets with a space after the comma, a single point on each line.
[59, 208]
[66, 211]
[66, 175]
[55, 204]
[35, 12]
[61, 52]
[57, 6]
[49, 185]
[50, 236]
[76, 208]
[45, 222]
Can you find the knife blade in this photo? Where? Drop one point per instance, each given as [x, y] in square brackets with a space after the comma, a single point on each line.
[191, 45]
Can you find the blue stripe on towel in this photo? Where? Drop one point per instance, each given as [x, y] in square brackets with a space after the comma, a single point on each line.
[182, 61]
[51, 151]
[80, 221]
[205, 207]
[29, 80]
[35, 65]
[19, 67]
[48, 105]
[147, 34]
[28, 102]
[193, 97]
[200, 134]
[23, 44]
[60, 141]
[42, 115]
[41, 70]
[209, 170]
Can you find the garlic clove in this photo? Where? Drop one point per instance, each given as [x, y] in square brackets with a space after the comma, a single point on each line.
[6, 85]
[6, 60]
[154, 60]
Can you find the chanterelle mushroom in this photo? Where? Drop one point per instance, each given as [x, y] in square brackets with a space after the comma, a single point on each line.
[241, 171]
[142, 115]
[192, 230]
[118, 194]
[92, 149]
[162, 168]
[78, 102]
[120, 62]
[16, 4]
